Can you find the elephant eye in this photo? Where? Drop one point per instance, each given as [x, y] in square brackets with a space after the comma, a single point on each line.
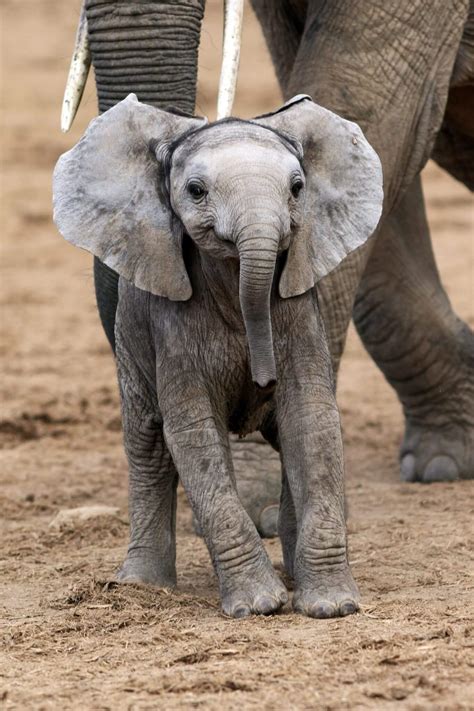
[296, 187]
[196, 190]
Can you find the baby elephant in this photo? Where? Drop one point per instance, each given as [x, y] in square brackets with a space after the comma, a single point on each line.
[220, 233]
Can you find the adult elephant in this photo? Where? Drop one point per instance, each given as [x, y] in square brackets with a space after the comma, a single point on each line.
[404, 71]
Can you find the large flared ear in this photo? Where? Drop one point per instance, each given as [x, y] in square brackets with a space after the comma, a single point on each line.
[343, 195]
[108, 197]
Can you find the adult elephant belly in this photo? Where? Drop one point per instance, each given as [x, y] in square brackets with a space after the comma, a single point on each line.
[151, 49]
[454, 147]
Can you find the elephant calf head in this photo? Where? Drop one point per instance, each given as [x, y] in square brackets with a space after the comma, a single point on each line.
[300, 180]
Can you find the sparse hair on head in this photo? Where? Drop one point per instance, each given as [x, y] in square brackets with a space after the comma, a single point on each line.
[167, 150]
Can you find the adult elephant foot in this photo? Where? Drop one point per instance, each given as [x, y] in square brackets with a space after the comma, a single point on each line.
[424, 350]
[431, 453]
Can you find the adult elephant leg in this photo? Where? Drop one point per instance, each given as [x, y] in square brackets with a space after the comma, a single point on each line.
[336, 294]
[425, 351]
[106, 294]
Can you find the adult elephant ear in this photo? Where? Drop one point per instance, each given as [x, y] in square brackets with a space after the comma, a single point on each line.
[109, 199]
[343, 194]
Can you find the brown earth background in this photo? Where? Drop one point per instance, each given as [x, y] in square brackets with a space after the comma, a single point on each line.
[69, 640]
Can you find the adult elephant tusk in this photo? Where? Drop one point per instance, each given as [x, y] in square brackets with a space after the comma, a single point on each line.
[78, 71]
[233, 16]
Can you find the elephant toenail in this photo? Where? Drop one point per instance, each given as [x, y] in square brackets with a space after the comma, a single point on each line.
[268, 521]
[322, 610]
[348, 608]
[441, 468]
[265, 605]
[408, 468]
[241, 611]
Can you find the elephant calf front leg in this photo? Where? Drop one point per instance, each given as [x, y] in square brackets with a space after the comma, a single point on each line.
[200, 448]
[310, 437]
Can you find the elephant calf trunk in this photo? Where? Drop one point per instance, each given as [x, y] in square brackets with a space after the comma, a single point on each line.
[257, 267]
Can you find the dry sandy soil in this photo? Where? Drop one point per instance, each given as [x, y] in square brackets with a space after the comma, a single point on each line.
[72, 641]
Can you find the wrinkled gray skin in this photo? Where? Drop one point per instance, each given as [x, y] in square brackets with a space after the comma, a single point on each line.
[226, 232]
[404, 72]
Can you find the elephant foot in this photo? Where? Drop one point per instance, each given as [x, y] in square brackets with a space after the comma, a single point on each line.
[334, 595]
[255, 597]
[142, 567]
[430, 454]
[258, 478]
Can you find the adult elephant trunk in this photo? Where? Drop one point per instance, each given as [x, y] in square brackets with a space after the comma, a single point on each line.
[148, 48]
[258, 249]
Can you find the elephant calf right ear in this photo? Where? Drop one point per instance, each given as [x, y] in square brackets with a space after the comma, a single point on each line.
[107, 198]
[344, 191]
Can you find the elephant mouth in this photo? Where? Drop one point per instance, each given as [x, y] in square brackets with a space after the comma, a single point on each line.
[265, 392]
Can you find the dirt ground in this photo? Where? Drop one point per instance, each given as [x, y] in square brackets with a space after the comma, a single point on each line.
[69, 639]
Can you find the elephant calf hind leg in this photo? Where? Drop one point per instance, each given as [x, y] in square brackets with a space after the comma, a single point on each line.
[151, 554]
[426, 353]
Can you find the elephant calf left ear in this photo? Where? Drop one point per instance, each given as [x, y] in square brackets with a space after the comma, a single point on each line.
[343, 196]
[107, 199]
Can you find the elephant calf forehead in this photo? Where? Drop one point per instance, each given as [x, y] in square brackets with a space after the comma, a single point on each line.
[229, 153]
[237, 135]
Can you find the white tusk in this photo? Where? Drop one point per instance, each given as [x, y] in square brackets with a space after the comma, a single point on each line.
[233, 16]
[78, 71]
